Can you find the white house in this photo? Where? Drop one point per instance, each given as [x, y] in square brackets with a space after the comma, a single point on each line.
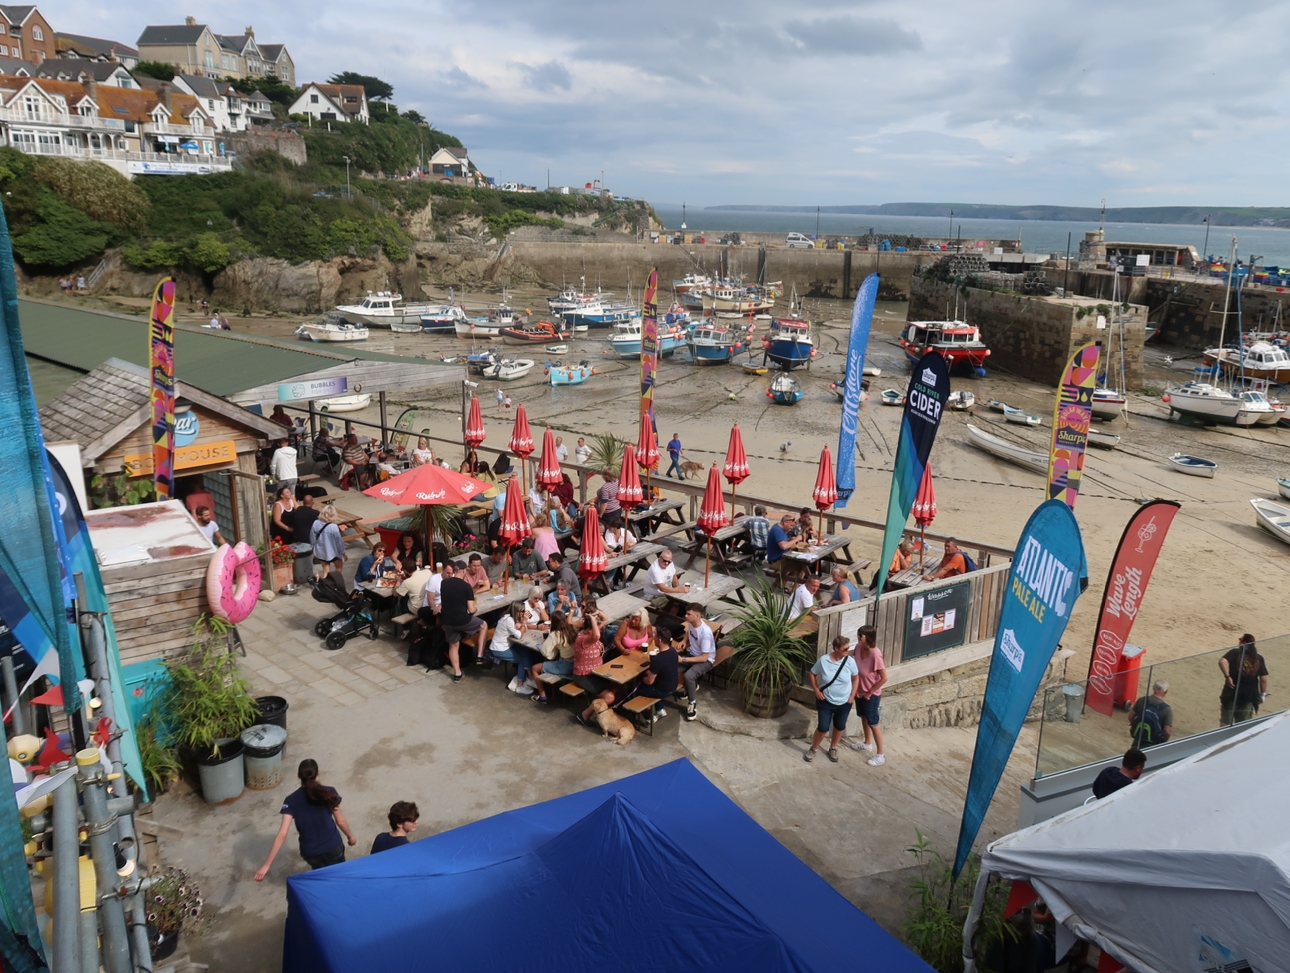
[332, 103]
[108, 73]
[450, 162]
[222, 102]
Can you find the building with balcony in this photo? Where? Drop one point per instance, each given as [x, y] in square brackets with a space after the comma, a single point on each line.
[28, 36]
[135, 131]
[194, 48]
[225, 105]
[332, 103]
[109, 73]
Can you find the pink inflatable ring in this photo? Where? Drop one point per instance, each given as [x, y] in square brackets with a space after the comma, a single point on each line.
[233, 582]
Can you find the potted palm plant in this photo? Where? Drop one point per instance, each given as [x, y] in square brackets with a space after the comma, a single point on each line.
[207, 704]
[174, 905]
[769, 659]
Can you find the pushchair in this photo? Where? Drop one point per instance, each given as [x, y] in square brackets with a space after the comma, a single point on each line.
[355, 613]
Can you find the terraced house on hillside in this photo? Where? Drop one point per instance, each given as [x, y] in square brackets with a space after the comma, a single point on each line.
[194, 48]
[28, 36]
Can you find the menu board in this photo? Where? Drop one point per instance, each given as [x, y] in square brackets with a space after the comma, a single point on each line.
[937, 619]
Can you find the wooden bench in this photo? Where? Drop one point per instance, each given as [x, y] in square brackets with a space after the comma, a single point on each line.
[667, 530]
[402, 623]
[572, 690]
[640, 707]
[724, 654]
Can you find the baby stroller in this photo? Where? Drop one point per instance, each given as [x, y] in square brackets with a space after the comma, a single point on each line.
[355, 613]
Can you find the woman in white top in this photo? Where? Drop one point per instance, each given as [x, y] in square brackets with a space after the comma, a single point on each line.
[618, 540]
[535, 615]
[513, 625]
[423, 454]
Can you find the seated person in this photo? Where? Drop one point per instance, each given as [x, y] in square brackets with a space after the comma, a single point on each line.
[903, 559]
[408, 553]
[780, 539]
[535, 613]
[431, 602]
[557, 654]
[588, 655]
[564, 600]
[385, 467]
[494, 535]
[562, 570]
[565, 491]
[802, 527]
[1112, 779]
[700, 656]
[560, 522]
[954, 562]
[844, 592]
[660, 681]
[502, 465]
[537, 498]
[662, 579]
[634, 633]
[618, 540]
[403, 821]
[526, 562]
[758, 529]
[354, 465]
[372, 567]
[804, 597]
[413, 587]
[475, 575]
[495, 565]
[510, 626]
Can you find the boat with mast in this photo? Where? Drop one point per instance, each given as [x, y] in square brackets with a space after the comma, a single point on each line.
[1110, 403]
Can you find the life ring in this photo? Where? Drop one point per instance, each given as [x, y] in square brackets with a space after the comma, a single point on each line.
[357, 389]
[233, 582]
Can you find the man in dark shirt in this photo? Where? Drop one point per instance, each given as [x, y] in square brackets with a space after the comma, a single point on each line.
[660, 681]
[1113, 778]
[527, 561]
[562, 571]
[403, 821]
[303, 520]
[1245, 682]
[457, 614]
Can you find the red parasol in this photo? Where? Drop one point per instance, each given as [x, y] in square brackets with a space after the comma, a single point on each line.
[549, 473]
[647, 453]
[826, 488]
[428, 484]
[712, 514]
[736, 469]
[592, 559]
[514, 526]
[521, 443]
[924, 510]
[474, 432]
[629, 480]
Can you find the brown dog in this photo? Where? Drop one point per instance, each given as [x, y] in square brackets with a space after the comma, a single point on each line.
[611, 724]
[689, 466]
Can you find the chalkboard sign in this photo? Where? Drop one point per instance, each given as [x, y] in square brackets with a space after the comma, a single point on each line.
[937, 619]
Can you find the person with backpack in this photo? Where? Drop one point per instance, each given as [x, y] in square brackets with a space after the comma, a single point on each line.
[955, 562]
[1151, 719]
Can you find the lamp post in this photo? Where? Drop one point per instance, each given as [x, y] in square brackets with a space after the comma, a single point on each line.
[348, 194]
[683, 216]
[1205, 250]
[951, 236]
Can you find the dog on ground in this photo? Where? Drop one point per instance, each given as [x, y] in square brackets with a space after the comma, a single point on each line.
[689, 466]
[613, 725]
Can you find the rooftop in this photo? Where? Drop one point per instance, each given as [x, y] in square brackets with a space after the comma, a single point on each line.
[171, 34]
[100, 45]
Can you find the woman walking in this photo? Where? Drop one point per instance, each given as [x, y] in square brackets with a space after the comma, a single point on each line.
[315, 808]
[328, 545]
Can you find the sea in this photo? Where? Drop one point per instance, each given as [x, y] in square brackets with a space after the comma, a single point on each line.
[1270, 245]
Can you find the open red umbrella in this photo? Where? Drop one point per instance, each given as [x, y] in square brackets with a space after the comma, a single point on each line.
[592, 559]
[924, 510]
[712, 514]
[521, 442]
[647, 453]
[428, 485]
[549, 473]
[629, 481]
[736, 469]
[473, 431]
[514, 526]
[826, 488]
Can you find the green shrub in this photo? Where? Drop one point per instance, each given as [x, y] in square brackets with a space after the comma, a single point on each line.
[155, 255]
[63, 236]
[207, 254]
[97, 190]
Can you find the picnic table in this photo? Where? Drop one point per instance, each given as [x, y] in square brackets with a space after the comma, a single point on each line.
[386, 598]
[487, 602]
[655, 516]
[905, 579]
[631, 563]
[360, 525]
[718, 587]
[624, 668]
[722, 544]
[619, 604]
[810, 559]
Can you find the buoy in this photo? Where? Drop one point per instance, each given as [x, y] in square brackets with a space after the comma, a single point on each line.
[1165, 397]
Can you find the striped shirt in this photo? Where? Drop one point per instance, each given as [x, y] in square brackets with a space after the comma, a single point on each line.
[607, 497]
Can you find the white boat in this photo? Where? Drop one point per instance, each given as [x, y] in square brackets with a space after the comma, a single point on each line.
[332, 329]
[1272, 517]
[871, 370]
[1103, 440]
[1265, 413]
[399, 327]
[1192, 465]
[962, 400]
[891, 397]
[1209, 403]
[477, 328]
[1030, 459]
[442, 318]
[996, 406]
[1020, 417]
[1261, 361]
[382, 309]
[1283, 486]
[509, 369]
[346, 403]
[1108, 403]
[558, 349]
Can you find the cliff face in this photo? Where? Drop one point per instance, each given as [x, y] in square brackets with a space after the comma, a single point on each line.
[311, 287]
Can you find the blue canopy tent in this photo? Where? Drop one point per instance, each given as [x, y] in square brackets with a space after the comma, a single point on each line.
[658, 871]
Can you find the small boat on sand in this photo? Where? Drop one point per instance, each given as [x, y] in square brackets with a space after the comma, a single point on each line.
[533, 334]
[1103, 440]
[346, 403]
[1283, 486]
[1272, 517]
[559, 374]
[1020, 417]
[891, 397]
[508, 369]
[1192, 465]
[962, 400]
[1029, 459]
[997, 406]
[332, 328]
[558, 349]
[785, 390]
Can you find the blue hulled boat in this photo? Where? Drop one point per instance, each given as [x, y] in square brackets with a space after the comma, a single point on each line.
[784, 390]
[789, 343]
[711, 343]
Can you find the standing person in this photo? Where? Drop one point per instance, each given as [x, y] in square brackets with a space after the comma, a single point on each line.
[501, 397]
[674, 453]
[561, 450]
[206, 524]
[834, 680]
[457, 611]
[302, 520]
[328, 546]
[700, 657]
[873, 676]
[284, 515]
[432, 594]
[508, 404]
[607, 496]
[1151, 719]
[1245, 682]
[582, 452]
[1112, 779]
[403, 818]
[319, 821]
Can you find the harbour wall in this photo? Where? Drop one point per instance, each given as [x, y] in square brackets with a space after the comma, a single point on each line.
[815, 273]
[1033, 336]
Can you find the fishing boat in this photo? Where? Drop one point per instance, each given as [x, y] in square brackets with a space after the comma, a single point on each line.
[626, 338]
[735, 297]
[600, 313]
[477, 328]
[789, 343]
[533, 334]
[1209, 404]
[559, 374]
[443, 319]
[508, 369]
[1283, 487]
[557, 349]
[477, 361]
[1260, 360]
[710, 343]
[785, 390]
[1192, 465]
[333, 328]
[1103, 440]
[1030, 459]
[958, 342]
[962, 400]
[891, 397]
[346, 403]
[691, 282]
[1020, 417]
[1108, 403]
[1272, 517]
[1266, 412]
[382, 309]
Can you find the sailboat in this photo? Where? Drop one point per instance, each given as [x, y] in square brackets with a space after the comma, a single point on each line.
[1111, 403]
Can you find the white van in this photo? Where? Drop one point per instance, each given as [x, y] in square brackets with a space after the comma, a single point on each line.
[799, 241]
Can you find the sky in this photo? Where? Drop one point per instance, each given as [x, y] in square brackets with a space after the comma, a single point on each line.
[813, 102]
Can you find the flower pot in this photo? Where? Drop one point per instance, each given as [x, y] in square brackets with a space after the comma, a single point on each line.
[283, 574]
[223, 775]
[162, 945]
[759, 701]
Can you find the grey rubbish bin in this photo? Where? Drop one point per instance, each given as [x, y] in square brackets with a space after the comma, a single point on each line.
[262, 752]
[303, 566]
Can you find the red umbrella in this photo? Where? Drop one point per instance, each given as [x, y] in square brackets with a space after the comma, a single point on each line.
[736, 469]
[428, 485]
[521, 443]
[514, 526]
[647, 444]
[549, 473]
[629, 480]
[474, 431]
[924, 510]
[826, 488]
[712, 514]
[592, 559]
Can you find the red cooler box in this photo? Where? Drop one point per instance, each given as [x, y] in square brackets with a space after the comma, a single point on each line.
[1127, 673]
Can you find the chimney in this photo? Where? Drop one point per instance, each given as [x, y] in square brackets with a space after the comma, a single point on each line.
[163, 93]
[250, 32]
[92, 88]
[190, 21]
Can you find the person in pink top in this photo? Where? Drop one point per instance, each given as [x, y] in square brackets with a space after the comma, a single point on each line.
[545, 542]
[873, 676]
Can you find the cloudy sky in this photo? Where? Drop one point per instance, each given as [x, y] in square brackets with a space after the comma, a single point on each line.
[814, 102]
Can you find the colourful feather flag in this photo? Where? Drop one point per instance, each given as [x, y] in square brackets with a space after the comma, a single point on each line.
[1071, 417]
[161, 367]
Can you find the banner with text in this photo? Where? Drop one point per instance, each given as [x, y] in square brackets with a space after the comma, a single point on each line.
[649, 346]
[861, 320]
[161, 368]
[1048, 573]
[316, 388]
[929, 390]
[1071, 417]
[1126, 584]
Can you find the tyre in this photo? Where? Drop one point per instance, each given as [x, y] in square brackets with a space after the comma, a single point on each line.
[322, 628]
[336, 640]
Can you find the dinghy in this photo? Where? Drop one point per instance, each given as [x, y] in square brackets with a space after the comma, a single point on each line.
[891, 397]
[1020, 417]
[570, 374]
[509, 369]
[785, 390]
[1284, 487]
[1103, 440]
[962, 400]
[346, 403]
[1272, 517]
[1028, 458]
[1192, 465]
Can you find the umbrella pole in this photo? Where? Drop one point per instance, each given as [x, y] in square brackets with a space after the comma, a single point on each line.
[922, 546]
[734, 487]
[707, 562]
[506, 572]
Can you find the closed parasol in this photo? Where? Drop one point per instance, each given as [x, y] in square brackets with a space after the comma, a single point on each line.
[647, 444]
[592, 559]
[712, 514]
[474, 431]
[514, 526]
[549, 473]
[924, 510]
[521, 442]
[736, 468]
[826, 487]
[629, 480]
